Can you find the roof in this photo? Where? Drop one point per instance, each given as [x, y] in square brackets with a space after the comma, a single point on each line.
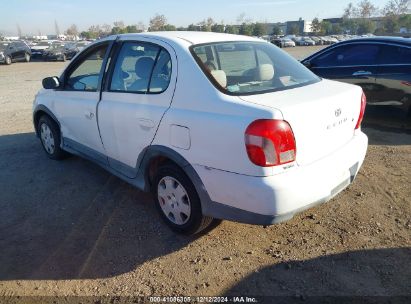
[399, 40]
[193, 37]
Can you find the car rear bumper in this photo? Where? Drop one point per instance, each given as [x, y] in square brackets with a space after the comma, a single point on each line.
[274, 199]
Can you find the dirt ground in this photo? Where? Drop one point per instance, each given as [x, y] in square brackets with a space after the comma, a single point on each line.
[71, 229]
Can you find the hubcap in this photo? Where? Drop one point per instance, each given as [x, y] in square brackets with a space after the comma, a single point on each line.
[174, 200]
[47, 138]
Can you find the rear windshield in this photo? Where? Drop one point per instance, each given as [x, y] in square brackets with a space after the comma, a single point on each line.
[245, 68]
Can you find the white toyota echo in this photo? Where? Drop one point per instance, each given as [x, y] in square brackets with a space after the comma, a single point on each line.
[217, 126]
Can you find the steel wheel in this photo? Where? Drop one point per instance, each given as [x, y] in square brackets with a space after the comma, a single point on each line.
[47, 138]
[174, 200]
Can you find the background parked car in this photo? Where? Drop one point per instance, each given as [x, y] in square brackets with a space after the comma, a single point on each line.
[56, 51]
[381, 66]
[38, 49]
[278, 42]
[14, 51]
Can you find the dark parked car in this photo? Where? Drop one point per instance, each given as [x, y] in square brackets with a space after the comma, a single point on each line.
[56, 51]
[380, 65]
[278, 42]
[38, 49]
[12, 51]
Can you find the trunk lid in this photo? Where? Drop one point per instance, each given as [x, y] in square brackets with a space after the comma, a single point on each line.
[322, 116]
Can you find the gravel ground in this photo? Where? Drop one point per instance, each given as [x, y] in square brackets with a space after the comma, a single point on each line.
[71, 229]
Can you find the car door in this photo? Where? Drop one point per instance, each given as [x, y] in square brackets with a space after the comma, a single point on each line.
[13, 51]
[394, 76]
[354, 63]
[138, 92]
[76, 103]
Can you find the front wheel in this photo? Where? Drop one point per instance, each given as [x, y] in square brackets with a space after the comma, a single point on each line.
[7, 60]
[177, 201]
[50, 138]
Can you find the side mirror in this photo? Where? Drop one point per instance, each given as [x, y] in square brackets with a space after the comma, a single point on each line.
[307, 64]
[51, 83]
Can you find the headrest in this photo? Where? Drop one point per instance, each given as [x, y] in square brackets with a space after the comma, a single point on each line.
[220, 76]
[264, 72]
[144, 65]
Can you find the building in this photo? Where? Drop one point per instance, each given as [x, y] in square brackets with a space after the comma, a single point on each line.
[301, 25]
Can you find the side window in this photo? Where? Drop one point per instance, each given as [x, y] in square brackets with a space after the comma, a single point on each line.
[161, 73]
[348, 55]
[141, 68]
[395, 55]
[86, 74]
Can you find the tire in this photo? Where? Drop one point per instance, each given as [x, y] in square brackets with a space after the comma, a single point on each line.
[50, 138]
[63, 58]
[7, 60]
[177, 201]
[27, 57]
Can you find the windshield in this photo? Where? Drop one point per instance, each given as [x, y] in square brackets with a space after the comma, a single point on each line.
[245, 68]
[3, 45]
[56, 46]
[43, 44]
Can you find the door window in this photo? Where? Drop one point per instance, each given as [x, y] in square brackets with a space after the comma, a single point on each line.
[395, 55]
[85, 76]
[348, 55]
[141, 68]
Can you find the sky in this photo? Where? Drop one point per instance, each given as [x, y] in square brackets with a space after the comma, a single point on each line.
[38, 16]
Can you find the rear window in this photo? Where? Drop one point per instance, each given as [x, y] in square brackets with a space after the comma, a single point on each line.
[395, 55]
[245, 68]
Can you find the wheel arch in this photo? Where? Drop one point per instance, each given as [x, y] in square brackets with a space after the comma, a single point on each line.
[157, 155]
[39, 111]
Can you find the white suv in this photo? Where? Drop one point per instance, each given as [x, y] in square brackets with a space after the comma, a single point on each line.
[216, 126]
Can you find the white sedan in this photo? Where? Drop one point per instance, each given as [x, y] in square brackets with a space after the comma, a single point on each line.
[216, 126]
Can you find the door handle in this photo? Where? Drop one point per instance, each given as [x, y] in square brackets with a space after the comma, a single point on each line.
[362, 73]
[89, 115]
[146, 123]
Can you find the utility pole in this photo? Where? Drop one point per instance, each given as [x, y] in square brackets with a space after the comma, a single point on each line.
[56, 27]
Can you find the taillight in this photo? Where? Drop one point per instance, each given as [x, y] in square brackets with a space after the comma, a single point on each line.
[362, 111]
[270, 143]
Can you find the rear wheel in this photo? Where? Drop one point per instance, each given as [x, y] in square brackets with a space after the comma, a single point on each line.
[177, 201]
[50, 138]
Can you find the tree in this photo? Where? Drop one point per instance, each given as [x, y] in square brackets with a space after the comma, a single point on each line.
[366, 9]
[350, 11]
[106, 28]
[326, 27]
[336, 29]
[365, 26]
[316, 26]
[117, 30]
[231, 29]
[246, 29]
[277, 30]
[72, 30]
[157, 23]
[259, 29]
[396, 7]
[132, 29]
[119, 24]
[350, 26]
[192, 28]
[168, 27]
[218, 28]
